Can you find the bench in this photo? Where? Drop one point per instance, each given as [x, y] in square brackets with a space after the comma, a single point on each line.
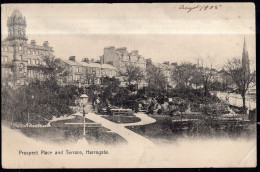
[121, 111]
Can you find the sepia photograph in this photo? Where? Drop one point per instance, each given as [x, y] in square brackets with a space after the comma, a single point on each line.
[155, 85]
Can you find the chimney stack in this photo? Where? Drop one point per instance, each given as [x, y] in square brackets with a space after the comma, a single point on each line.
[174, 64]
[166, 63]
[86, 60]
[72, 58]
[148, 61]
[46, 44]
[33, 42]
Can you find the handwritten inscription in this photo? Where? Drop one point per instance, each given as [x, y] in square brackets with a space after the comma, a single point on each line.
[199, 7]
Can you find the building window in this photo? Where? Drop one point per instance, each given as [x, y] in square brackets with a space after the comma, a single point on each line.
[20, 48]
[98, 71]
[29, 61]
[21, 57]
[35, 61]
[77, 69]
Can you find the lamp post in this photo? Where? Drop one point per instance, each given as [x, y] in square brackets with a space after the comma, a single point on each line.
[84, 101]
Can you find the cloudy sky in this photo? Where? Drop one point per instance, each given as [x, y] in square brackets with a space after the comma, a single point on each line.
[163, 32]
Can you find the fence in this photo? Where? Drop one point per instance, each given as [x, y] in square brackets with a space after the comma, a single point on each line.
[19, 125]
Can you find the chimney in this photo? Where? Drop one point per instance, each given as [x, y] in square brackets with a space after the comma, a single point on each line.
[92, 60]
[149, 61]
[72, 58]
[110, 63]
[86, 60]
[134, 52]
[122, 50]
[33, 42]
[174, 64]
[166, 63]
[46, 44]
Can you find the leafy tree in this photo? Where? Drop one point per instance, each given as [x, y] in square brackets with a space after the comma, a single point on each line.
[132, 73]
[155, 78]
[183, 75]
[196, 78]
[54, 68]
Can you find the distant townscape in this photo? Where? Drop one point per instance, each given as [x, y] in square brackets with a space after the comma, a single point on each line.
[152, 99]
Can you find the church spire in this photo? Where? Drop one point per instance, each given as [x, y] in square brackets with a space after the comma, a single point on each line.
[245, 58]
[244, 48]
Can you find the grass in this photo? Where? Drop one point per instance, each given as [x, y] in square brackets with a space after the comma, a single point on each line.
[122, 119]
[77, 119]
[60, 133]
[165, 131]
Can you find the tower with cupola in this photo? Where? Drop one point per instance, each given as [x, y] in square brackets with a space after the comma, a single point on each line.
[16, 25]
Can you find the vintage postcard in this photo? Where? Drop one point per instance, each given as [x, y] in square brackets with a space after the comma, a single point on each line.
[128, 85]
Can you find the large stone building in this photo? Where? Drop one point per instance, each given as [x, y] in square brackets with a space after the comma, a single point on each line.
[120, 58]
[86, 72]
[16, 53]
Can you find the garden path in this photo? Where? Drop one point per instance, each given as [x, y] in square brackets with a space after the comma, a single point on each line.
[131, 137]
[144, 120]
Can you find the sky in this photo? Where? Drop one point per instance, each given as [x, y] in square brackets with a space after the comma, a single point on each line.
[162, 32]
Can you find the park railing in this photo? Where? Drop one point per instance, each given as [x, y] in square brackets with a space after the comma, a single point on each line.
[20, 125]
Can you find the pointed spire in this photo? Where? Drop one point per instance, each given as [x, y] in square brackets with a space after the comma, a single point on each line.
[244, 48]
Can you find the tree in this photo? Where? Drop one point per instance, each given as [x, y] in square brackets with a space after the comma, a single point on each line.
[241, 78]
[155, 78]
[183, 74]
[132, 73]
[207, 75]
[41, 99]
[112, 83]
[196, 78]
[54, 68]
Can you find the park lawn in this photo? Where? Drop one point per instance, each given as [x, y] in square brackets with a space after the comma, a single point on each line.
[121, 119]
[166, 131]
[60, 133]
[162, 131]
[72, 135]
[77, 119]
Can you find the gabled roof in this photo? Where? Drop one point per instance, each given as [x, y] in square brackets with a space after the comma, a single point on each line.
[107, 66]
[72, 63]
[83, 64]
[95, 65]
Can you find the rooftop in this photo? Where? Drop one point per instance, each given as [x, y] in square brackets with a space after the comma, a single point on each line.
[70, 62]
[16, 14]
